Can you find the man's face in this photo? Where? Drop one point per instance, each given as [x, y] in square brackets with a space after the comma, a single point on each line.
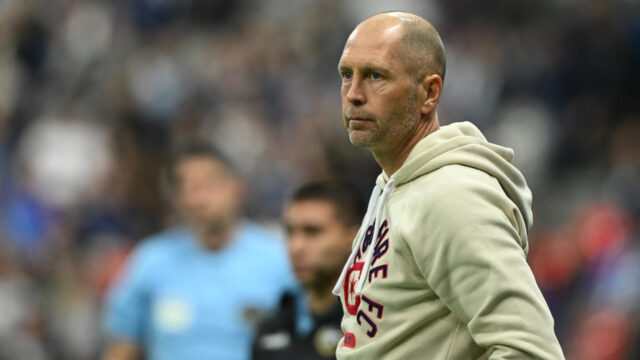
[207, 192]
[318, 242]
[379, 98]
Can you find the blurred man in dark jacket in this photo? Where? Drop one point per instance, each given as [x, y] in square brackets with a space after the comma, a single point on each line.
[321, 221]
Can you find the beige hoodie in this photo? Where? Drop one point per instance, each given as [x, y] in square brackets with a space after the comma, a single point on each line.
[446, 277]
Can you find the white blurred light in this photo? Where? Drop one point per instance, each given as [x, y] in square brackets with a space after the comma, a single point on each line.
[66, 159]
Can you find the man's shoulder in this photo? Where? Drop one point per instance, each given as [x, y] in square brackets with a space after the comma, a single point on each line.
[275, 334]
[449, 182]
[293, 333]
[162, 245]
[253, 229]
[456, 195]
[169, 238]
[260, 238]
[283, 319]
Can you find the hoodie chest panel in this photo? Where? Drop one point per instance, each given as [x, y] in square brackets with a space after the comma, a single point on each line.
[396, 302]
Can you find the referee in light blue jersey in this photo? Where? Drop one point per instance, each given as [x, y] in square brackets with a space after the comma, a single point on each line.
[195, 291]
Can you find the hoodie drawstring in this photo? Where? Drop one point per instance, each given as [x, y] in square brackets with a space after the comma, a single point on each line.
[374, 204]
[375, 194]
[376, 223]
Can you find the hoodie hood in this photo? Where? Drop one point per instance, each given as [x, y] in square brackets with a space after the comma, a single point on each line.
[449, 265]
[463, 144]
[459, 144]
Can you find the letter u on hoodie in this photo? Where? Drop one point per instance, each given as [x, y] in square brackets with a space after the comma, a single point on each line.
[438, 268]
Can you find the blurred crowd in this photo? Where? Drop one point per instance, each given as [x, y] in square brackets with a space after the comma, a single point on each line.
[95, 94]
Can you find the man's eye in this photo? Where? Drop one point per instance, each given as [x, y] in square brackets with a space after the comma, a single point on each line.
[311, 230]
[347, 75]
[288, 230]
[376, 76]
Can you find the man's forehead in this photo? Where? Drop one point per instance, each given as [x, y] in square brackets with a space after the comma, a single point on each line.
[374, 35]
[376, 41]
[310, 208]
[373, 58]
[377, 28]
[308, 205]
[203, 162]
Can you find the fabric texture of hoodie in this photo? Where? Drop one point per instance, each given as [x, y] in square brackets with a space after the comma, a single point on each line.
[446, 277]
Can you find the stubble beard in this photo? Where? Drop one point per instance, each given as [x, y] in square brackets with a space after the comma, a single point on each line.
[214, 227]
[324, 277]
[399, 123]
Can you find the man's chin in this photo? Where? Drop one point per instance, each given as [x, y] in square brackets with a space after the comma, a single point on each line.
[208, 225]
[360, 138]
[305, 279]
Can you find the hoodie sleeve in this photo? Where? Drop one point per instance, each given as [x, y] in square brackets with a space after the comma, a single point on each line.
[464, 239]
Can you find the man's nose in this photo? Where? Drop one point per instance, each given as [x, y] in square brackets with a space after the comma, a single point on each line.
[355, 94]
[295, 244]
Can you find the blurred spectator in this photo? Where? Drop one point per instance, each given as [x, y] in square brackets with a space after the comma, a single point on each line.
[196, 291]
[321, 220]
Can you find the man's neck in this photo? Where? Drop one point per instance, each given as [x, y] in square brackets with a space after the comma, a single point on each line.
[391, 160]
[215, 237]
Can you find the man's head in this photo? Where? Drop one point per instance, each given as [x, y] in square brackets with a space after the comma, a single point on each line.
[392, 70]
[205, 188]
[321, 221]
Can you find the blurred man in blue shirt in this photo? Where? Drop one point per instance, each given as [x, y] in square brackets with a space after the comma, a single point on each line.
[195, 292]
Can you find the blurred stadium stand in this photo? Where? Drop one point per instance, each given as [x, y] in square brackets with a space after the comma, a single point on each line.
[94, 94]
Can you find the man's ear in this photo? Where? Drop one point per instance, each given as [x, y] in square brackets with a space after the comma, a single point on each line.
[432, 86]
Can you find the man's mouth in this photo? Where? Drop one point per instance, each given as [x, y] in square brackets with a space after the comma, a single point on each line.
[357, 123]
[358, 116]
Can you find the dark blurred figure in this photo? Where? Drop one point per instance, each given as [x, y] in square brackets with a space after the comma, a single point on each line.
[195, 292]
[20, 330]
[321, 221]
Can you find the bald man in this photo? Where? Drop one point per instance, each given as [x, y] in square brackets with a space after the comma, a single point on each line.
[438, 269]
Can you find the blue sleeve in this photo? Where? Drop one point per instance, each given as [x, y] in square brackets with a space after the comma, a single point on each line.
[127, 305]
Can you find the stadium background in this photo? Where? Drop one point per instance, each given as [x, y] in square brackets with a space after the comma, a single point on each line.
[93, 94]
